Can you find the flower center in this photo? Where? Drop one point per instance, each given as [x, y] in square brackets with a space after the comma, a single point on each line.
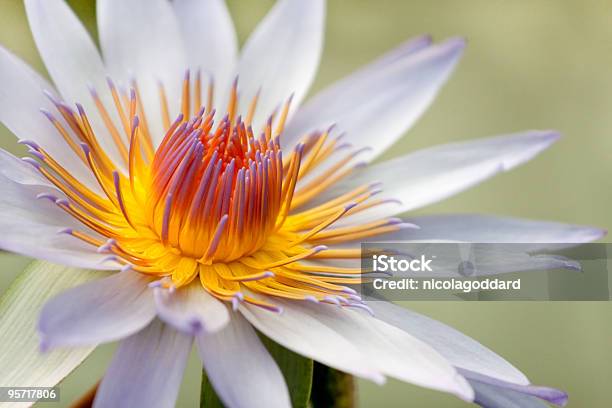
[215, 193]
[213, 200]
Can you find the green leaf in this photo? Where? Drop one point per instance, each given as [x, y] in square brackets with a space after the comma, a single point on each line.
[21, 363]
[296, 369]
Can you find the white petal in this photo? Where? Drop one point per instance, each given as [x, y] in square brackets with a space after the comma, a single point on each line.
[393, 351]
[487, 386]
[141, 39]
[210, 40]
[240, 368]
[21, 172]
[397, 54]
[191, 309]
[21, 98]
[489, 396]
[489, 228]
[73, 61]
[21, 363]
[306, 335]
[459, 349]
[282, 55]
[98, 312]
[146, 370]
[376, 105]
[32, 226]
[429, 175]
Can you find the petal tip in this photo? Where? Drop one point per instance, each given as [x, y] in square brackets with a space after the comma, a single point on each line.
[561, 400]
[550, 135]
[454, 46]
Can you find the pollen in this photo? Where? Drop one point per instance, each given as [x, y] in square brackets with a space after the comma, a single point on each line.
[216, 200]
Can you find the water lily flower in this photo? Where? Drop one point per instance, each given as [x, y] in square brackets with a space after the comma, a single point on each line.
[223, 206]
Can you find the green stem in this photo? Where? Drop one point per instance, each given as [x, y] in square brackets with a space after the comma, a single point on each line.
[332, 388]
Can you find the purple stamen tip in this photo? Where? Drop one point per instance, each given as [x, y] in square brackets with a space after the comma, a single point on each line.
[128, 267]
[48, 196]
[393, 221]
[62, 201]
[92, 90]
[269, 274]
[311, 298]
[30, 143]
[363, 307]
[103, 249]
[350, 206]
[31, 161]
[364, 149]
[155, 284]
[49, 95]
[110, 258]
[332, 299]
[65, 231]
[343, 146]
[36, 154]
[235, 303]
[85, 148]
[135, 122]
[346, 289]
[239, 296]
[393, 201]
[320, 248]
[48, 114]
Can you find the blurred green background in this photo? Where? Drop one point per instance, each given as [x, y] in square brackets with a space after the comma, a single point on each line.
[529, 64]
